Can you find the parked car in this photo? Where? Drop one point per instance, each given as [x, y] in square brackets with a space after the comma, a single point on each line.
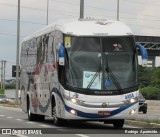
[3, 98]
[142, 103]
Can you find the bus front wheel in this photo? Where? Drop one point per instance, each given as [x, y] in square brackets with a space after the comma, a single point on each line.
[57, 121]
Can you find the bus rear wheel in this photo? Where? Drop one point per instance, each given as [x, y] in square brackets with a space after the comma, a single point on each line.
[118, 123]
[40, 117]
[31, 116]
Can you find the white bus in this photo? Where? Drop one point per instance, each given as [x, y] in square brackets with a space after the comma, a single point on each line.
[80, 70]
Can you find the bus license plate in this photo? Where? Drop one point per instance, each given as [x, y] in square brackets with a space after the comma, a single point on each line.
[104, 113]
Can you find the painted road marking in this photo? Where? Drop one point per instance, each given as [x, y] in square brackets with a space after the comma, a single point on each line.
[31, 122]
[81, 135]
[9, 117]
[45, 126]
[19, 119]
[2, 115]
[19, 135]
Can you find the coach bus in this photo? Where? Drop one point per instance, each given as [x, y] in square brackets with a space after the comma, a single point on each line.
[82, 70]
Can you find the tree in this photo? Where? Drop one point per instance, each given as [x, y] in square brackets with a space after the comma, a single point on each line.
[1, 91]
[155, 78]
[145, 76]
[151, 93]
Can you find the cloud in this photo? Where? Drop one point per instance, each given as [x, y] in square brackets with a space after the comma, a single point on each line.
[148, 18]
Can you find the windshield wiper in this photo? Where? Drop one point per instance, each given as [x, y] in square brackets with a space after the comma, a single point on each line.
[95, 76]
[114, 79]
[93, 79]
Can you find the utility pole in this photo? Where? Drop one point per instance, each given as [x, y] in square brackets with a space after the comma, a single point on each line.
[117, 10]
[17, 55]
[47, 11]
[81, 9]
[3, 71]
[1, 74]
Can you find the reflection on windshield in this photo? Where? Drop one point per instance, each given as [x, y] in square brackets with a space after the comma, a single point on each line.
[87, 57]
[120, 58]
[83, 62]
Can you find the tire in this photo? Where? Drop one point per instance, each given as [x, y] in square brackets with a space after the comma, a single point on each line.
[57, 121]
[118, 123]
[145, 111]
[31, 116]
[40, 117]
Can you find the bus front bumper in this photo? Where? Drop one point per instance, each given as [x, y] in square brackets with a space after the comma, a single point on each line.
[73, 111]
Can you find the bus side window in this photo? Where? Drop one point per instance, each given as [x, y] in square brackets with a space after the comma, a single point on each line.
[51, 49]
[46, 41]
[42, 51]
[39, 50]
[23, 55]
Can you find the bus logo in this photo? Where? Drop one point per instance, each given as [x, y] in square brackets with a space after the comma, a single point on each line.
[104, 105]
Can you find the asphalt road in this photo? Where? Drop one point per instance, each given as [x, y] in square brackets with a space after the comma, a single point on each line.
[15, 118]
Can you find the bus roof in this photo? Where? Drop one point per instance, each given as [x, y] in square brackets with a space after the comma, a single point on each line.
[85, 27]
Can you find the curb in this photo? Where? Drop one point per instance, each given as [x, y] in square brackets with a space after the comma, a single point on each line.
[7, 105]
[142, 124]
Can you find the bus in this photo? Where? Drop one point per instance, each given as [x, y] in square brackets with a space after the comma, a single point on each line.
[81, 70]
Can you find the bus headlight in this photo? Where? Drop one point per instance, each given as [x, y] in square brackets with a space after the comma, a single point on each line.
[132, 100]
[73, 100]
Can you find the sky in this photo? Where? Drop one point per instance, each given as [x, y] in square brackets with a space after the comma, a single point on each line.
[142, 16]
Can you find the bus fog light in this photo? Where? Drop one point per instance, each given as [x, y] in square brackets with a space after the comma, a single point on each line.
[73, 112]
[132, 112]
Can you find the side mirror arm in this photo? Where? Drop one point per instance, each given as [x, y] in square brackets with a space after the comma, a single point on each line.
[144, 54]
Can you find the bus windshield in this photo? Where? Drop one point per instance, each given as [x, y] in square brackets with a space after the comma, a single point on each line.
[100, 63]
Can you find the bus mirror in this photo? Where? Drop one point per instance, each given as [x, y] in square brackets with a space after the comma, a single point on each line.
[144, 54]
[61, 54]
